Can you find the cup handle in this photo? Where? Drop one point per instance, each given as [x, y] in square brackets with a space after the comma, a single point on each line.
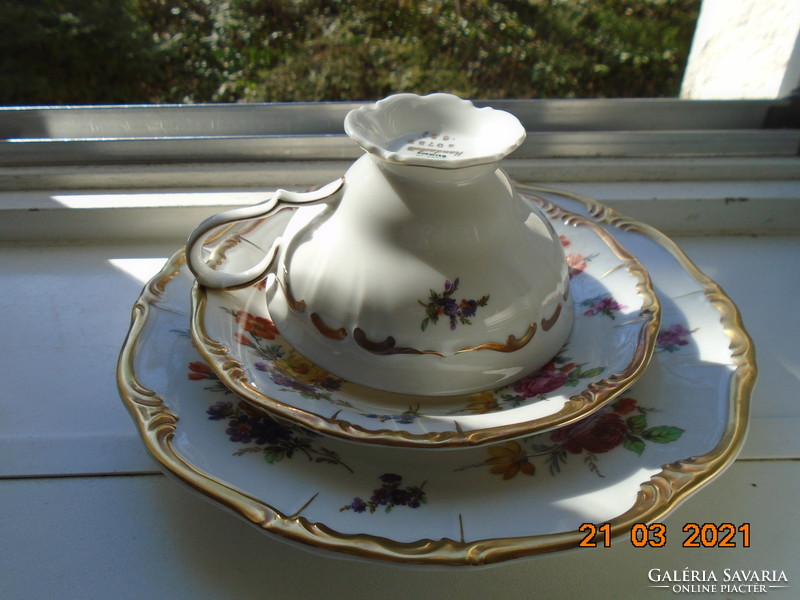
[210, 277]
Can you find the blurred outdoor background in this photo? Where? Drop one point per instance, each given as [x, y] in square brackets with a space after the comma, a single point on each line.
[165, 51]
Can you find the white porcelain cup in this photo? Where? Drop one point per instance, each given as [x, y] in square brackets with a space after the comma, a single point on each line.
[422, 271]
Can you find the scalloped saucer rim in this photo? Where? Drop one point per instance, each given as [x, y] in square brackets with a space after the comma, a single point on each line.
[249, 356]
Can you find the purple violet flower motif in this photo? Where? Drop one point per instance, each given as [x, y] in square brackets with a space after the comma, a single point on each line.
[358, 505]
[605, 305]
[220, 410]
[240, 429]
[444, 304]
[673, 338]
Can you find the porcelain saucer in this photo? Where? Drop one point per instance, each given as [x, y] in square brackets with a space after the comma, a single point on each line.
[681, 424]
[612, 340]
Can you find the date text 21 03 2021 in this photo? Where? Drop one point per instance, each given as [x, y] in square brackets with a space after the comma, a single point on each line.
[654, 535]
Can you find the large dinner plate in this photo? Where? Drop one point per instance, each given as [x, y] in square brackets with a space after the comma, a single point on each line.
[634, 460]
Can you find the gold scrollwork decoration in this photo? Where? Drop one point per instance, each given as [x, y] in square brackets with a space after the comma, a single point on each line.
[387, 346]
[512, 343]
[327, 331]
[548, 323]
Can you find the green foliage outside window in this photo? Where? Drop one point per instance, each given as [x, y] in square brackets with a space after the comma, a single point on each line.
[95, 51]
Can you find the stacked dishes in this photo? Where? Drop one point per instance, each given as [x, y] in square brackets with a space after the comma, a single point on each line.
[645, 401]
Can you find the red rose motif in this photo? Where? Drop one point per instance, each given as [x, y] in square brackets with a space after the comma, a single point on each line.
[259, 326]
[597, 434]
[541, 383]
[625, 405]
[199, 370]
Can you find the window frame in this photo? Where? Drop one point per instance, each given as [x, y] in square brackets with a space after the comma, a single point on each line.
[138, 172]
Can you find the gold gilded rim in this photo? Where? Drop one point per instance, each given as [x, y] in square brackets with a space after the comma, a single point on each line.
[655, 498]
[677, 480]
[232, 372]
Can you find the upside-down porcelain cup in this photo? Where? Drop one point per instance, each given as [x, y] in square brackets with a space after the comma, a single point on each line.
[422, 270]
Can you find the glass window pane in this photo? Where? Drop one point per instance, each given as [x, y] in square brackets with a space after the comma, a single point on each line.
[153, 51]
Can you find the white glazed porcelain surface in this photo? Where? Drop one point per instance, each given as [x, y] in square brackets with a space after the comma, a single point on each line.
[363, 287]
[422, 271]
[610, 344]
[438, 130]
[680, 425]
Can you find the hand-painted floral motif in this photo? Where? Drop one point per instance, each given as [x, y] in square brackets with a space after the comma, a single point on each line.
[444, 305]
[258, 331]
[275, 440]
[404, 418]
[389, 495]
[673, 338]
[576, 263]
[558, 373]
[286, 368]
[295, 372]
[508, 459]
[602, 305]
[256, 326]
[548, 379]
[481, 403]
[199, 371]
[624, 424]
